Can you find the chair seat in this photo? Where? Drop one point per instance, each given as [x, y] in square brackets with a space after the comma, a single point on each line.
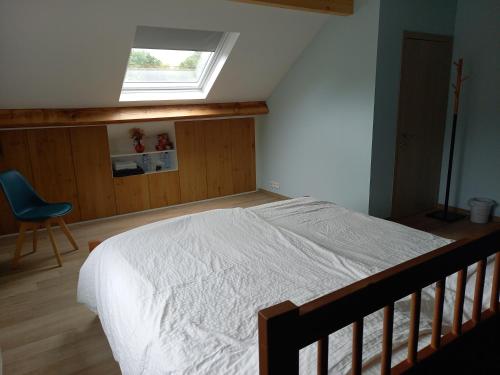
[41, 213]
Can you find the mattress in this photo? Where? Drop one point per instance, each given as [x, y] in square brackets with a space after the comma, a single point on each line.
[181, 296]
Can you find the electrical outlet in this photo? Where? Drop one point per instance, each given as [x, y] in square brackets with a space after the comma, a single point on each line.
[275, 185]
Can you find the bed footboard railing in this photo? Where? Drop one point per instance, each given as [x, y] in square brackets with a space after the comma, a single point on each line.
[285, 328]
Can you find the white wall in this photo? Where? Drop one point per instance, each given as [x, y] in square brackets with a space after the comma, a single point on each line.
[397, 16]
[73, 53]
[477, 157]
[317, 138]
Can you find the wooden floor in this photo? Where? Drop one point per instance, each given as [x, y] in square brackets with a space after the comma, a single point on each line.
[42, 328]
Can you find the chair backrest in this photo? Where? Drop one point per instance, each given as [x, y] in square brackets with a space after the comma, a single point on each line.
[19, 192]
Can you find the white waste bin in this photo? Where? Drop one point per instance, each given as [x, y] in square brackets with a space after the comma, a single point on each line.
[480, 210]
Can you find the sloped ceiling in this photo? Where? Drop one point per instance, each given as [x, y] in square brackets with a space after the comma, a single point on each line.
[73, 53]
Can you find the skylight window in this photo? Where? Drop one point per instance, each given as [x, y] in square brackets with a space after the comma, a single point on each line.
[174, 64]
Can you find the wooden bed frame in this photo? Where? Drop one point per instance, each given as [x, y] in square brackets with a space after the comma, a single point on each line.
[285, 328]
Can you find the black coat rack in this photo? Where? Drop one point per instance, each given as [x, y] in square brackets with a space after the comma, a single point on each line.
[445, 214]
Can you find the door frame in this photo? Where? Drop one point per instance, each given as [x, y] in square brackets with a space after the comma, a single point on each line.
[418, 36]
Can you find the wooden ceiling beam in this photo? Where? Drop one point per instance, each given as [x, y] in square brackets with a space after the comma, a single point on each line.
[339, 7]
[33, 118]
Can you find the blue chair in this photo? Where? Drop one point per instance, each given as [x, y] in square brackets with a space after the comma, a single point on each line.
[32, 211]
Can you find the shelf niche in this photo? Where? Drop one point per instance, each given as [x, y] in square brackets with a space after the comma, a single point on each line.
[122, 146]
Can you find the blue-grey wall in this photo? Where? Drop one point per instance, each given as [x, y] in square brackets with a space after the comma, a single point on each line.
[477, 166]
[397, 16]
[317, 138]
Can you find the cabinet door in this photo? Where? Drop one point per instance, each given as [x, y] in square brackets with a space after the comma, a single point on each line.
[132, 193]
[93, 172]
[218, 151]
[243, 154]
[164, 189]
[53, 169]
[13, 155]
[191, 155]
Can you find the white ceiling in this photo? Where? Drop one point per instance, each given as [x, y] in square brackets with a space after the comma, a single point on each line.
[73, 53]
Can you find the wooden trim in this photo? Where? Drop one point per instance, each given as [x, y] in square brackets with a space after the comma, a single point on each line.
[300, 326]
[338, 7]
[34, 118]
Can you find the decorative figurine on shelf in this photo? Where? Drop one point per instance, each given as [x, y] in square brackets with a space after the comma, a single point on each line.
[137, 135]
[163, 142]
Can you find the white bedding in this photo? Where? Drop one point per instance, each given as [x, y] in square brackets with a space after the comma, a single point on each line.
[182, 295]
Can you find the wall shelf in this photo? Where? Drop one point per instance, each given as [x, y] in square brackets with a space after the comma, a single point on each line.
[141, 153]
[151, 161]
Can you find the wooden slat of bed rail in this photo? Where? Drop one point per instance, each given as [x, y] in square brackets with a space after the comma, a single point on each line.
[477, 305]
[495, 286]
[323, 356]
[357, 347]
[385, 366]
[459, 302]
[366, 296]
[437, 320]
[416, 299]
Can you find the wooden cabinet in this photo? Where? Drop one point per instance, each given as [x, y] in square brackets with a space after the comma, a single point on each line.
[13, 155]
[132, 194]
[216, 157]
[190, 137]
[52, 166]
[93, 172]
[243, 154]
[218, 140]
[164, 189]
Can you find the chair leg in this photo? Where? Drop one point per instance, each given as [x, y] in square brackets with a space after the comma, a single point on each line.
[19, 244]
[52, 240]
[35, 237]
[66, 231]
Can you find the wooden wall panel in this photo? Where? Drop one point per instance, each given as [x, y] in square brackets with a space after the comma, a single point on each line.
[132, 194]
[190, 137]
[94, 176]
[53, 169]
[243, 154]
[13, 155]
[218, 151]
[164, 189]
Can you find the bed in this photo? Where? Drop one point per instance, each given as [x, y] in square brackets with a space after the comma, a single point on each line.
[182, 295]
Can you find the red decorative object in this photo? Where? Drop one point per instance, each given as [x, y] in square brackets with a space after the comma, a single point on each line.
[163, 142]
[137, 135]
[139, 147]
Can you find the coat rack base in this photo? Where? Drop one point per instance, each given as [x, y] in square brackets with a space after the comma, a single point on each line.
[449, 217]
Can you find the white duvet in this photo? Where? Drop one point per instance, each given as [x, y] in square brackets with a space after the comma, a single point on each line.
[181, 296]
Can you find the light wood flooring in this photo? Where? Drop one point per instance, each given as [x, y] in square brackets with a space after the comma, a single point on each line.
[42, 328]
